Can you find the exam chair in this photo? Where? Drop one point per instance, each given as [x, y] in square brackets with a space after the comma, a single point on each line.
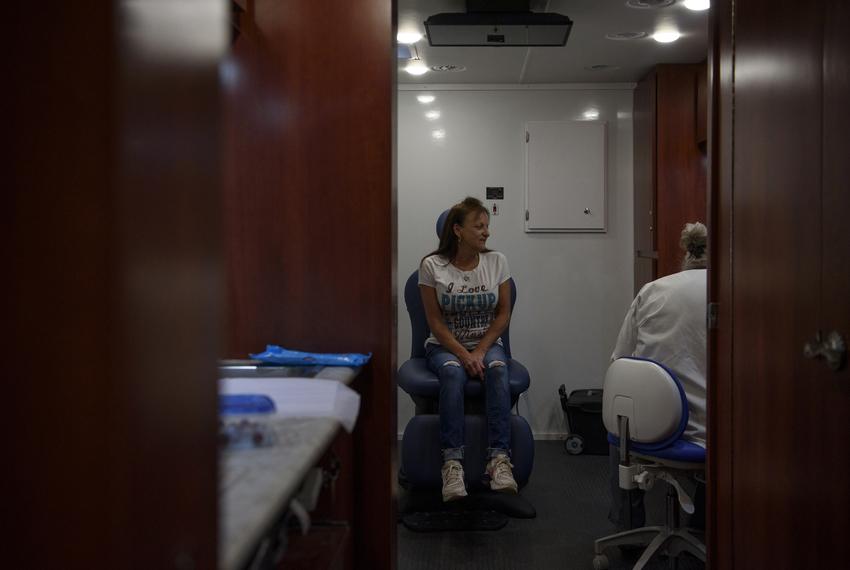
[645, 412]
[421, 457]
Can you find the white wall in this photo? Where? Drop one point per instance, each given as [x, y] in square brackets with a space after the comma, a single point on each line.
[573, 289]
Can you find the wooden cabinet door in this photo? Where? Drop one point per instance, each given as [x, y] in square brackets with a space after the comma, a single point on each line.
[644, 181]
[669, 167]
[789, 279]
[680, 169]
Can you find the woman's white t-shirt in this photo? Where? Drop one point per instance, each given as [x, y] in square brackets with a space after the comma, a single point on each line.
[467, 299]
[666, 323]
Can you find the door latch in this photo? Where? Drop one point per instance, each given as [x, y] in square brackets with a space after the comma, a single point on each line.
[832, 349]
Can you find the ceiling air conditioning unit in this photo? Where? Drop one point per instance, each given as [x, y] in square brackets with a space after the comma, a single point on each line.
[498, 23]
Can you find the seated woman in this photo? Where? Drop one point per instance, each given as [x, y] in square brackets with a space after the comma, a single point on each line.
[466, 295]
[666, 323]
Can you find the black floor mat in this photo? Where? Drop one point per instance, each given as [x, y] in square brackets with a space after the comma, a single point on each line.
[454, 521]
[430, 500]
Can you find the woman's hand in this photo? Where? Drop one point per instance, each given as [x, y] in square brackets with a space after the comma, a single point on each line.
[473, 362]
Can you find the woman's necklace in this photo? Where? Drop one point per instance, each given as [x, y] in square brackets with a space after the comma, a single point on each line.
[468, 266]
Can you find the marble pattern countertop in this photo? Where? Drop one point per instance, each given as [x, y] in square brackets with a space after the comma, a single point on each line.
[255, 485]
[255, 369]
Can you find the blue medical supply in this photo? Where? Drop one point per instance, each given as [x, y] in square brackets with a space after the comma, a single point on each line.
[230, 404]
[277, 355]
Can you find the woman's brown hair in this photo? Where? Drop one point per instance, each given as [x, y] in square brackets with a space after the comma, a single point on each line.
[457, 215]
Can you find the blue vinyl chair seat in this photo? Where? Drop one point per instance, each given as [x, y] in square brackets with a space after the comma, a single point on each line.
[414, 376]
[415, 379]
[422, 385]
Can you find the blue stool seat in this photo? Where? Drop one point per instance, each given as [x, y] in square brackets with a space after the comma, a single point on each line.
[421, 457]
[680, 450]
[642, 396]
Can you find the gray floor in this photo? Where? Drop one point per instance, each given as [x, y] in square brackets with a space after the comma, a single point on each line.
[570, 494]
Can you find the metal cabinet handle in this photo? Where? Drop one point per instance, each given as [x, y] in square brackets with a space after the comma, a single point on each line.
[832, 349]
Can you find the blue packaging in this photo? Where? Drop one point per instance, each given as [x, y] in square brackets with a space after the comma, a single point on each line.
[277, 355]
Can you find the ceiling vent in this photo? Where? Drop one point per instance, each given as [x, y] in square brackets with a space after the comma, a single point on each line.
[649, 4]
[502, 23]
[624, 36]
[448, 67]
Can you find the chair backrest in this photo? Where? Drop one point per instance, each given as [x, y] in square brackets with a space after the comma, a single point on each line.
[419, 324]
[650, 396]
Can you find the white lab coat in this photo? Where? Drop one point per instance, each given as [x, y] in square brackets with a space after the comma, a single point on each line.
[667, 323]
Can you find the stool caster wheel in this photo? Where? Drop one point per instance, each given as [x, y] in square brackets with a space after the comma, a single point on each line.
[574, 444]
[600, 562]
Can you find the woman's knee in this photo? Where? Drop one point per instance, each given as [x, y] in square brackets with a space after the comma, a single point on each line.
[495, 356]
[452, 375]
[497, 375]
[497, 367]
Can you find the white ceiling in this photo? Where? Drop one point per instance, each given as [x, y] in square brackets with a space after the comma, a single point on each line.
[586, 46]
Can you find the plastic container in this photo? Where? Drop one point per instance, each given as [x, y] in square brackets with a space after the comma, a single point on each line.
[587, 433]
[243, 421]
[244, 404]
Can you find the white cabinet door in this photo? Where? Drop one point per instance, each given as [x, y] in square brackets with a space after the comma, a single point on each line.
[565, 164]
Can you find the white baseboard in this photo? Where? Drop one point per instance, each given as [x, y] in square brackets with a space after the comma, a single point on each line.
[549, 436]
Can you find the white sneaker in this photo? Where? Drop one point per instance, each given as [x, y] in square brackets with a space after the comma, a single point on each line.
[453, 486]
[501, 476]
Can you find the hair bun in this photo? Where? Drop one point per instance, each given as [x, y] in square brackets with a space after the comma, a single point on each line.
[694, 241]
[694, 237]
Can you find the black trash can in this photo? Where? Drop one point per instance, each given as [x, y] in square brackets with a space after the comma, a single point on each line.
[587, 433]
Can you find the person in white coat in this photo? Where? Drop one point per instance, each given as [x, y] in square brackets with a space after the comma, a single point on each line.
[667, 323]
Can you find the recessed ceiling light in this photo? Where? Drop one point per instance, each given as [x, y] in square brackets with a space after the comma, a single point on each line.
[666, 36]
[697, 5]
[425, 98]
[448, 67]
[649, 4]
[438, 134]
[432, 115]
[620, 36]
[416, 67]
[408, 37]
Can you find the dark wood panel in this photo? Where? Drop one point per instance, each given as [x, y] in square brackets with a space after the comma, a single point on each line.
[336, 502]
[832, 403]
[321, 549]
[644, 176]
[777, 422]
[680, 166]
[701, 112]
[310, 214]
[112, 292]
[720, 526]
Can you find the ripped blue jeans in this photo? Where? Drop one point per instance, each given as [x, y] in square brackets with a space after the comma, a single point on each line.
[497, 394]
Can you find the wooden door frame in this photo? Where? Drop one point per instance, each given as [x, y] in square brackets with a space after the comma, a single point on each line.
[719, 523]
